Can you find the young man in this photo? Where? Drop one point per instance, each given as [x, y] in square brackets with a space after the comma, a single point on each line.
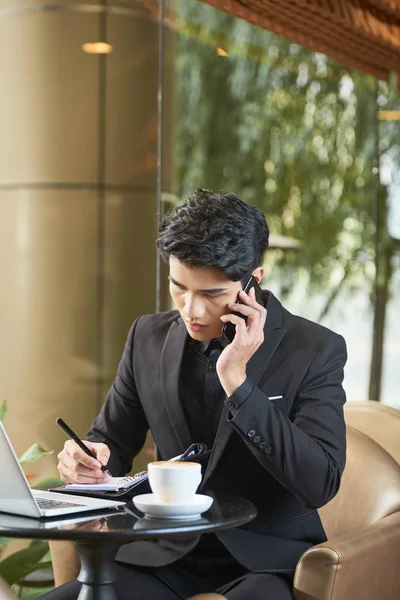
[270, 404]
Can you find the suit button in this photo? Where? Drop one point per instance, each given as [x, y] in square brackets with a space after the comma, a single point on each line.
[268, 450]
[262, 445]
[256, 439]
[251, 433]
[232, 405]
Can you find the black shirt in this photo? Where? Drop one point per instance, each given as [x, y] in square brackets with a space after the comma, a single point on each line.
[201, 393]
[202, 398]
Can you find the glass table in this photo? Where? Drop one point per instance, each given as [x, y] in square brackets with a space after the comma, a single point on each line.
[98, 536]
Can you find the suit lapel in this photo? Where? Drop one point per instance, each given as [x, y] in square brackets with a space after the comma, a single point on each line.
[273, 334]
[171, 358]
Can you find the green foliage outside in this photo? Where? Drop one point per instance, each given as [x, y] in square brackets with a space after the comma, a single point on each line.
[294, 133]
[37, 555]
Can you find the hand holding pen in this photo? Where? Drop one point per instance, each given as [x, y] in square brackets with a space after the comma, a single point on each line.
[82, 462]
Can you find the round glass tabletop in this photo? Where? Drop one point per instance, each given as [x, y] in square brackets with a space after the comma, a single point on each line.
[128, 523]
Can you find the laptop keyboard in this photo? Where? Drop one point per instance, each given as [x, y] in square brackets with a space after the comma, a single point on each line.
[44, 503]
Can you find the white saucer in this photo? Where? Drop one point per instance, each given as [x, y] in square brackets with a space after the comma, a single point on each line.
[151, 508]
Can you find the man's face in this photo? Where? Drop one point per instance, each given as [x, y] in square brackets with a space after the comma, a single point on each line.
[201, 295]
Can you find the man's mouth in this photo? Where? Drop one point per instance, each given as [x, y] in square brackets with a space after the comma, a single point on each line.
[195, 326]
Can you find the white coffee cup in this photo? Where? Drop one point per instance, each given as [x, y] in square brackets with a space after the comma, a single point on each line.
[174, 482]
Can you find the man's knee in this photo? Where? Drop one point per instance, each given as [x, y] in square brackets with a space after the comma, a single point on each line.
[261, 586]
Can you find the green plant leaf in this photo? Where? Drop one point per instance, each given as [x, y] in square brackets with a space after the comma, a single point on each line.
[49, 482]
[33, 453]
[47, 558]
[3, 409]
[38, 543]
[21, 563]
[44, 564]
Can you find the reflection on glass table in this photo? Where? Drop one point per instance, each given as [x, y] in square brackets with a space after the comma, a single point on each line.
[98, 536]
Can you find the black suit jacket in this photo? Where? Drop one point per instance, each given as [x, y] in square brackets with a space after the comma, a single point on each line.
[285, 455]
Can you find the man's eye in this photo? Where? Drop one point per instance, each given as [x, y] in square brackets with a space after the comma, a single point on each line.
[212, 295]
[177, 287]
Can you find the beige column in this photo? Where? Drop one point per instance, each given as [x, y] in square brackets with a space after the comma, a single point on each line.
[78, 207]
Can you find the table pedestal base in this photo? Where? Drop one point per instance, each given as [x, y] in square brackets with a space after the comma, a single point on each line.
[97, 573]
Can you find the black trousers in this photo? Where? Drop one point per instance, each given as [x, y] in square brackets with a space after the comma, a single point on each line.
[178, 583]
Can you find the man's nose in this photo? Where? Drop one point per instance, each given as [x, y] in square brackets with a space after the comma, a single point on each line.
[193, 308]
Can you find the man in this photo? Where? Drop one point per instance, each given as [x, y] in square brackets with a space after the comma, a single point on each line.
[270, 404]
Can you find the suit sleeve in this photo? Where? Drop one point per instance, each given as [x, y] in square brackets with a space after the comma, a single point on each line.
[306, 453]
[121, 423]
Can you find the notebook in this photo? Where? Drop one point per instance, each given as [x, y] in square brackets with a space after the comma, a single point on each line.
[115, 484]
[17, 497]
[132, 485]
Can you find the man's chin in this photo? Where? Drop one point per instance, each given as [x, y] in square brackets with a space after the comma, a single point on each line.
[199, 337]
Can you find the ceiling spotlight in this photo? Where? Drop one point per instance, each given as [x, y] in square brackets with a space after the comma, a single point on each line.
[388, 115]
[97, 48]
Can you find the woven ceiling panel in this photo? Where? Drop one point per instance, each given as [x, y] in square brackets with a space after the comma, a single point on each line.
[364, 34]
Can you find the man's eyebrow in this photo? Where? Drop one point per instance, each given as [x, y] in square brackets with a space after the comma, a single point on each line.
[208, 291]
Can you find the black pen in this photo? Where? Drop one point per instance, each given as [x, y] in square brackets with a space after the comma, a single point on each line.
[71, 434]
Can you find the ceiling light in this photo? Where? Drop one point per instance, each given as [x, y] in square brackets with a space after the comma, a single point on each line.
[97, 48]
[222, 52]
[388, 115]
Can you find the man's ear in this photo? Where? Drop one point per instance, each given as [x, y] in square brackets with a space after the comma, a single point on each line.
[258, 273]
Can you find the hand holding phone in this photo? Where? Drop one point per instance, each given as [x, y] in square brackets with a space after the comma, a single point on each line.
[229, 329]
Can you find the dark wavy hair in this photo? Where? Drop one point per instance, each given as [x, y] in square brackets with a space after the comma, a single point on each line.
[215, 230]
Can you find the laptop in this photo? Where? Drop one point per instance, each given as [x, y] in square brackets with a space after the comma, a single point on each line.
[18, 498]
[62, 522]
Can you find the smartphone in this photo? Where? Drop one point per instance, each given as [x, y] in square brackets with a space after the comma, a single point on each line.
[229, 329]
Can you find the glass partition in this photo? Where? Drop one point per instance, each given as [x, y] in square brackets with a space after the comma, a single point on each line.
[111, 112]
[386, 347]
[296, 134]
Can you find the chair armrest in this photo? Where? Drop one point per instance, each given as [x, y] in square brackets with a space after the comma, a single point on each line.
[66, 562]
[359, 564]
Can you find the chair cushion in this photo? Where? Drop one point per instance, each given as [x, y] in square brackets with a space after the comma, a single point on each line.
[370, 488]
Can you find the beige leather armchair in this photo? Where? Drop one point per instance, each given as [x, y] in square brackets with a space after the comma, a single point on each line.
[377, 421]
[360, 558]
